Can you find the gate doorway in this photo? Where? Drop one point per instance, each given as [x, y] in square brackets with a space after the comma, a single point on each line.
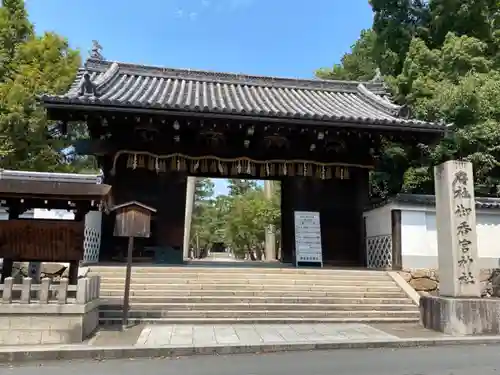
[235, 220]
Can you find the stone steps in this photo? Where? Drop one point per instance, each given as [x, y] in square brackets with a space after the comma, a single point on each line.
[174, 293]
[241, 306]
[135, 321]
[244, 287]
[157, 281]
[226, 300]
[274, 314]
[243, 276]
[148, 270]
[253, 295]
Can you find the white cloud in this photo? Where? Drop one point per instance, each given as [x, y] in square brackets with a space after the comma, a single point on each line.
[205, 3]
[179, 13]
[193, 16]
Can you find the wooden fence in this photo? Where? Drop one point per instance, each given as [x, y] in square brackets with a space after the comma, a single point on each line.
[46, 292]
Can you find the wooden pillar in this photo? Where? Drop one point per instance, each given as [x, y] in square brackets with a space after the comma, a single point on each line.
[287, 227]
[188, 216]
[397, 261]
[270, 235]
[294, 197]
[363, 196]
[8, 263]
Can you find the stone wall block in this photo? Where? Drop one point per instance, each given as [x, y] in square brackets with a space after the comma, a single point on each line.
[7, 290]
[52, 337]
[82, 291]
[44, 293]
[26, 290]
[19, 322]
[424, 284]
[62, 291]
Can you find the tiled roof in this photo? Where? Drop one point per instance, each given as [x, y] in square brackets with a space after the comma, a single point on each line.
[50, 189]
[430, 200]
[7, 174]
[127, 85]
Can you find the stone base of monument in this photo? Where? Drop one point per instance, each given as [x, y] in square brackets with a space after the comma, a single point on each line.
[461, 316]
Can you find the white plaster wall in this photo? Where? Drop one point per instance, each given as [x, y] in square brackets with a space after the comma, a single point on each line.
[4, 215]
[43, 213]
[378, 221]
[419, 238]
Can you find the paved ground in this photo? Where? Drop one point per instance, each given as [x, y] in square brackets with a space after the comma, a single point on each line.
[460, 360]
[251, 334]
[254, 334]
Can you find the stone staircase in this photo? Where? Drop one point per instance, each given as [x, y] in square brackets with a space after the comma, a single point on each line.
[253, 295]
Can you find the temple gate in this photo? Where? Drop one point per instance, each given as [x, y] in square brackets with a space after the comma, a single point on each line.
[150, 128]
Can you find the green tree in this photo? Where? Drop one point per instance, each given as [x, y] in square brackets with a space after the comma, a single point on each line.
[31, 65]
[203, 211]
[458, 84]
[359, 64]
[204, 189]
[249, 215]
[240, 186]
[442, 59]
[396, 23]
[15, 29]
[474, 18]
[239, 219]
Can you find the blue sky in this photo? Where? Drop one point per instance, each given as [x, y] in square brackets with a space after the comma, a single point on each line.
[288, 38]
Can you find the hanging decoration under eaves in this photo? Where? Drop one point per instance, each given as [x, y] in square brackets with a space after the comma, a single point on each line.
[235, 166]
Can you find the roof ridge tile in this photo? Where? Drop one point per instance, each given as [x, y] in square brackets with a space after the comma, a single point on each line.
[235, 78]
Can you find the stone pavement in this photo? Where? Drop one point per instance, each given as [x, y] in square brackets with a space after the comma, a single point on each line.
[253, 334]
[160, 341]
[206, 335]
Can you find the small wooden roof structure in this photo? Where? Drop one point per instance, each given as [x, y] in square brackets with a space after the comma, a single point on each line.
[52, 190]
[132, 203]
[36, 186]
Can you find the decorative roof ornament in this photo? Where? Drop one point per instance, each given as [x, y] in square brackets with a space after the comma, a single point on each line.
[88, 88]
[404, 112]
[378, 78]
[95, 52]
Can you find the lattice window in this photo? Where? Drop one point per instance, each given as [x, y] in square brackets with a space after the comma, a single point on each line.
[379, 251]
[91, 245]
[92, 240]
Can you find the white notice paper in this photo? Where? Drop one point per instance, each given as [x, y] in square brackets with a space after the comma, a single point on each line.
[308, 237]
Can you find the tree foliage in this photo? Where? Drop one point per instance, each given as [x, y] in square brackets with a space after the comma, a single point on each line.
[31, 65]
[241, 186]
[238, 219]
[359, 64]
[442, 58]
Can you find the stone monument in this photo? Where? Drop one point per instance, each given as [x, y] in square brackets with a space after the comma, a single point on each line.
[458, 310]
[456, 230]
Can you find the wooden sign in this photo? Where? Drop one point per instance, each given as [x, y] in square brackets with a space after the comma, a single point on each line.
[133, 219]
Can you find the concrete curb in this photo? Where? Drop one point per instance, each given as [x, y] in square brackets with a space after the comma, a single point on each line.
[81, 352]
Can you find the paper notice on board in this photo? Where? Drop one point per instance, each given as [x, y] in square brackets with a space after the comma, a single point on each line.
[308, 237]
